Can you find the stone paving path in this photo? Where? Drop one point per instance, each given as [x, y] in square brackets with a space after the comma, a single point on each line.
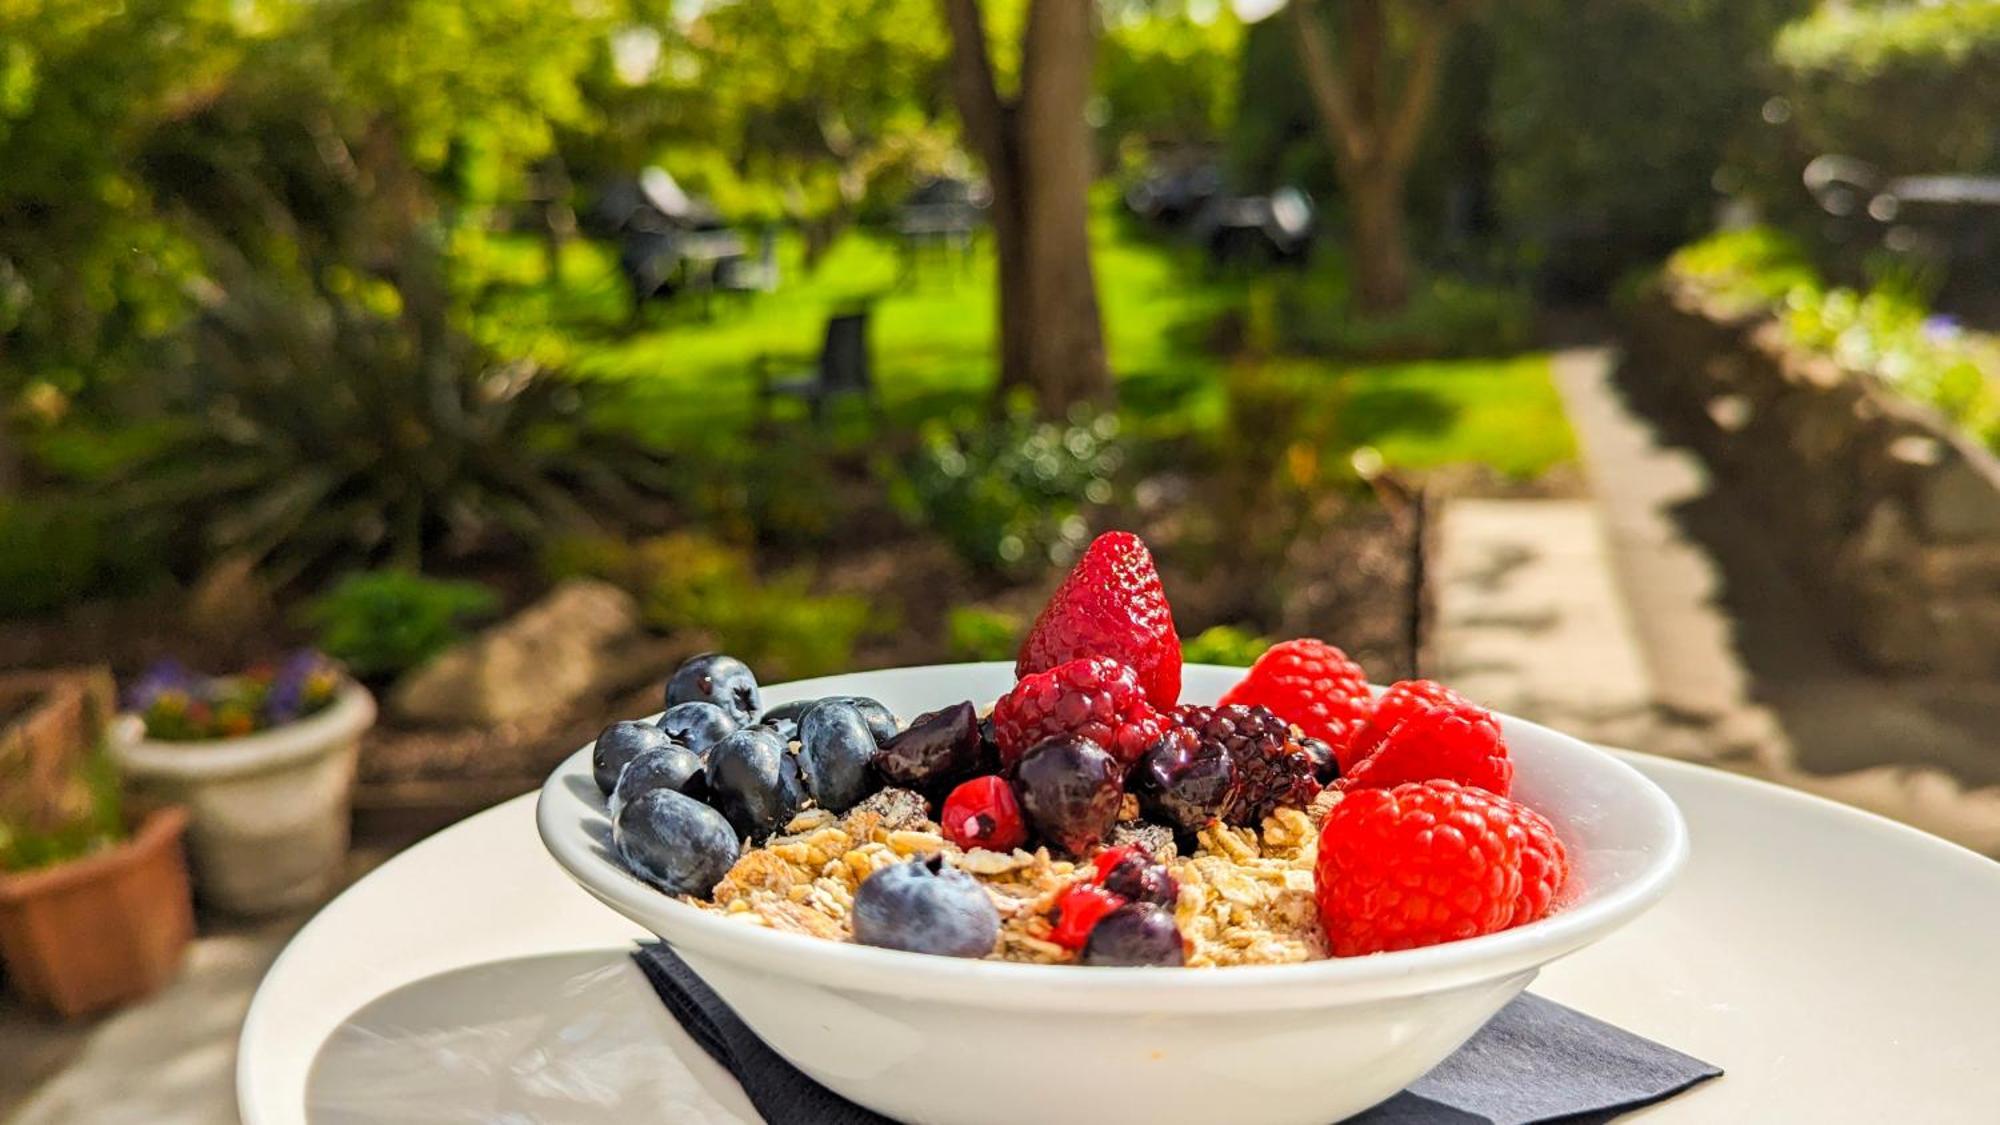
[1706, 650]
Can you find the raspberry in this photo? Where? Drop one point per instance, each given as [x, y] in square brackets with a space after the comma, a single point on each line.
[1417, 865]
[1233, 762]
[1110, 605]
[1544, 867]
[1077, 911]
[1456, 741]
[1403, 699]
[1095, 698]
[983, 813]
[1310, 684]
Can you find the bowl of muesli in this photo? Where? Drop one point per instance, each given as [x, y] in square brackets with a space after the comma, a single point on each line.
[1097, 884]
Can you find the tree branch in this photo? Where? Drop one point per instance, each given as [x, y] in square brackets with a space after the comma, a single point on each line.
[980, 110]
[1420, 83]
[1351, 142]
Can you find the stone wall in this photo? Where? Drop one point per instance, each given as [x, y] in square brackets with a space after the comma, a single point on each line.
[1887, 513]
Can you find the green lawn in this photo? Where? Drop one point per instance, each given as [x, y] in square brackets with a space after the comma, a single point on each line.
[689, 376]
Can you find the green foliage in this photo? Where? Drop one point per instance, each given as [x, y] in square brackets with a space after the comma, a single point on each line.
[975, 632]
[381, 623]
[1912, 87]
[355, 428]
[1887, 332]
[785, 110]
[1230, 645]
[1748, 269]
[1445, 316]
[1611, 118]
[1166, 75]
[689, 582]
[99, 824]
[50, 554]
[1009, 495]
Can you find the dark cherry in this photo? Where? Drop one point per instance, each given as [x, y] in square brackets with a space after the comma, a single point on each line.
[936, 749]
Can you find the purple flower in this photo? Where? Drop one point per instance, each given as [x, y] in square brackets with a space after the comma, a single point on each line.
[168, 679]
[302, 684]
[1939, 328]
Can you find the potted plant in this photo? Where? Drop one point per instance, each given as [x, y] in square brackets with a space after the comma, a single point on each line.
[264, 762]
[94, 906]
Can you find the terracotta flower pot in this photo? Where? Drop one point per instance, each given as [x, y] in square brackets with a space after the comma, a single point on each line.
[269, 813]
[99, 931]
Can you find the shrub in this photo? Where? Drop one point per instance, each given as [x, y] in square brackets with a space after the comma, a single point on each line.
[362, 428]
[974, 632]
[1009, 495]
[1887, 332]
[1231, 645]
[1911, 87]
[385, 622]
[1446, 316]
[689, 582]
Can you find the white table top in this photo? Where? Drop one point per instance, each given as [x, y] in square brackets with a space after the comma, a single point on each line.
[1838, 966]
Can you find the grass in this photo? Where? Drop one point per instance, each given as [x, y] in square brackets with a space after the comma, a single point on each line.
[690, 376]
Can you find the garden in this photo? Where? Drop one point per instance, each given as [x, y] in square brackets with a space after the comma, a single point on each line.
[393, 389]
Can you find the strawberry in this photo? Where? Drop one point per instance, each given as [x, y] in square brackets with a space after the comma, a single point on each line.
[1417, 865]
[1309, 684]
[1110, 605]
[1455, 741]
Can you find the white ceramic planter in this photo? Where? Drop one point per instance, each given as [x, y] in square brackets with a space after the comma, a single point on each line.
[269, 812]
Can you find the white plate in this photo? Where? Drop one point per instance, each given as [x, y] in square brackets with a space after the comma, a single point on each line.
[1839, 966]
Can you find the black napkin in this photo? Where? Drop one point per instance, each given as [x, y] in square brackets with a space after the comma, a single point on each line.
[1536, 1061]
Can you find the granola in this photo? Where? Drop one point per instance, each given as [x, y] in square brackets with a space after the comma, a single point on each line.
[1246, 894]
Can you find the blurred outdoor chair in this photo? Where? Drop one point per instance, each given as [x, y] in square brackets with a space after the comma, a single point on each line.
[844, 368]
[746, 276]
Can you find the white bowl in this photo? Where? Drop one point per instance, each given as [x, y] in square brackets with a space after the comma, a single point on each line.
[938, 1039]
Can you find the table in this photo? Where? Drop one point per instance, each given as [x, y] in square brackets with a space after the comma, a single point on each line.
[1841, 968]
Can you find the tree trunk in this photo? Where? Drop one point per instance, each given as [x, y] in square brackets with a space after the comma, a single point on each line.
[1374, 125]
[1036, 150]
[1381, 250]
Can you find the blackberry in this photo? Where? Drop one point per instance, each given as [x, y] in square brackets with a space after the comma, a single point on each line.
[1237, 763]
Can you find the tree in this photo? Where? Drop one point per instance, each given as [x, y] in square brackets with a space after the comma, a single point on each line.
[1373, 98]
[843, 99]
[1036, 149]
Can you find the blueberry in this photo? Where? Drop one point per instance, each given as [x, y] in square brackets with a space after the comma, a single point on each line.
[1138, 933]
[664, 767]
[1326, 766]
[836, 753]
[753, 779]
[722, 680]
[787, 730]
[697, 725]
[1183, 790]
[617, 745]
[1139, 879]
[923, 906]
[881, 720]
[1071, 788]
[674, 842]
[937, 748]
[792, 711]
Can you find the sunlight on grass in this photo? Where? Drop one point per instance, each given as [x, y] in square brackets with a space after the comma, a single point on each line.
[689, 368]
